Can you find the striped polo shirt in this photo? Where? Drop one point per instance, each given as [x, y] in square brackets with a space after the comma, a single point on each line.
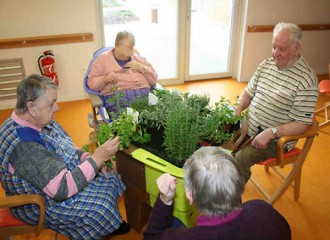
[281, 96]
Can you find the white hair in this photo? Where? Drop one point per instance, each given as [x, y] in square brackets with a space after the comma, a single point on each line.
[295, 31]
[214, 181]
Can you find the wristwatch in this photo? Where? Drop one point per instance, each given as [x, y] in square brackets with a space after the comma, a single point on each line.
[274, 131]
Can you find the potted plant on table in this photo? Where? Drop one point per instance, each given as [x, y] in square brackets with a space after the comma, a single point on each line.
[180, 121]
[166, 134]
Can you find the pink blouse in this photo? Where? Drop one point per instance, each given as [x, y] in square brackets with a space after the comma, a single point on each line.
[128, 78]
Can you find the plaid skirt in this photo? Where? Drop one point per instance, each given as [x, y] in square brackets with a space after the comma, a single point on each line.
[129, 96]
[92, 213]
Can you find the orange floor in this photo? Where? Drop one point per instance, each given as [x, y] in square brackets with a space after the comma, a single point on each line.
[309, 217]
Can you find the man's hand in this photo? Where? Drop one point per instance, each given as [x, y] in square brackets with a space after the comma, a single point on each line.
[262, 140]
[167, 186]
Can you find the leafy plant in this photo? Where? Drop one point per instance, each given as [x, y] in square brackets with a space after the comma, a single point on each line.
[125, 128]
[86, 148]
[198, 102]
[179, 120]
[214, 127]
[181, 133]
[183, 120]
[155, 116]
[123, 125]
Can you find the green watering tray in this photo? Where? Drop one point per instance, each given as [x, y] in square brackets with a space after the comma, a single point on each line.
[154, 167]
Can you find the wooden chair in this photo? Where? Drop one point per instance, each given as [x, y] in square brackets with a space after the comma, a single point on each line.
[324, 87]
[296, 157]
[238, 140]
[9, 225]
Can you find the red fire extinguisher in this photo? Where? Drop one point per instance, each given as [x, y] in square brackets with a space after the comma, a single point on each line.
[46, 64]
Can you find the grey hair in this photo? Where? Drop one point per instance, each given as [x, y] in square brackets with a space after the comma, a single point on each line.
[295, 31]
[125, 35]
[30, 89]
[214, 180]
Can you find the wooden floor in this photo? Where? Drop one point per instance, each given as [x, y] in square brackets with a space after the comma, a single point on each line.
[309, 217]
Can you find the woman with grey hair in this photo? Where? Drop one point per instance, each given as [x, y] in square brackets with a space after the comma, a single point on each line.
[37, 156]
[215, 185]
[121, 70]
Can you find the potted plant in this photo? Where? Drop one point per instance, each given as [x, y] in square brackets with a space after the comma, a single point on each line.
[164, 136]
[179, 122]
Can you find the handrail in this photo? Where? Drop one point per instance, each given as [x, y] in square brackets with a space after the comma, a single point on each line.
[45, 40]
[304, 27]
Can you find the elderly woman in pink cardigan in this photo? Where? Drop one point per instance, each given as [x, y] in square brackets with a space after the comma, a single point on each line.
[121, 69]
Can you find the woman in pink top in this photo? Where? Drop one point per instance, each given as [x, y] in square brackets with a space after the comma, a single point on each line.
[121, 69]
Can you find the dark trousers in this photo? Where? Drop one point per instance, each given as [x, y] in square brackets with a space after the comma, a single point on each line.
[248, 156]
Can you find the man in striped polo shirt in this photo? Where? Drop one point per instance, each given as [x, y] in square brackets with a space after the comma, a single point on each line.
[280, 97]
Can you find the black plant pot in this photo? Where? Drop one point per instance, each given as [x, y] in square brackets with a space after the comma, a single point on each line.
[155, 146]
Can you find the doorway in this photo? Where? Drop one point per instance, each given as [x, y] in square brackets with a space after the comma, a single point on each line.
[183, 39]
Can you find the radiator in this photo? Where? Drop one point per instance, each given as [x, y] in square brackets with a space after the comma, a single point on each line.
[11, 74]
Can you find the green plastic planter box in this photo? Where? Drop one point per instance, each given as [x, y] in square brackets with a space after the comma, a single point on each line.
[139, 170]
[154, 167]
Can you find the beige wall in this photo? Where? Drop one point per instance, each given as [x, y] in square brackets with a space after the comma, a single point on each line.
[38, 18]
[257, 46]
[45, 17]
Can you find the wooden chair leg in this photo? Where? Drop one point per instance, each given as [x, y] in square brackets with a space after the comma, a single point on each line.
[297, 182]
[324, 109]
[267, 168]
[260, 188]
[288, 181]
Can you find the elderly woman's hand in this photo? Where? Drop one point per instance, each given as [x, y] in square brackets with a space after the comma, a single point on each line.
[111, 78]
[167, 186]
[135, 66]
[106, 151]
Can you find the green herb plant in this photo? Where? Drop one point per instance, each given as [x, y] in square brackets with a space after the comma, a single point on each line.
[214, 126]
[185, 120]
[155, 116]
[86, 148]
[123, 125]
[181, 133]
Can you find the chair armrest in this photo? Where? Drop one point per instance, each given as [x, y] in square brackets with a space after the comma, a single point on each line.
[24, 199]
[311, 132]
[18, 200]
[238, 138]
[96, 101]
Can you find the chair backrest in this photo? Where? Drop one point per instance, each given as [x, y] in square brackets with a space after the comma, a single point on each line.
[9, 225]
[95, 55]
[93, 93]
[239, 139]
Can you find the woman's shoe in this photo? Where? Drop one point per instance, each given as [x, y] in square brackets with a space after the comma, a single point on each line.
[123, 229]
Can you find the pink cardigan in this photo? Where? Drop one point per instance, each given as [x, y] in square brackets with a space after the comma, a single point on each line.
[128, 79]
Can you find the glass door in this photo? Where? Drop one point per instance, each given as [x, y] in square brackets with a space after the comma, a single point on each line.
[210, 23]
[154, 25]
[182, 39]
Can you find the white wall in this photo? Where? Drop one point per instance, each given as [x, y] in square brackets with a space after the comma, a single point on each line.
[40, 18]
[257, 46]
